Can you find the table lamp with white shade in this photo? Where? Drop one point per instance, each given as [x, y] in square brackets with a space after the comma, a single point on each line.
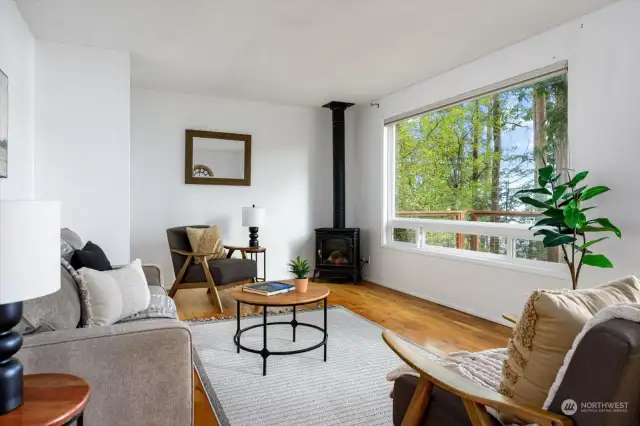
[253, 217]
[29, 268]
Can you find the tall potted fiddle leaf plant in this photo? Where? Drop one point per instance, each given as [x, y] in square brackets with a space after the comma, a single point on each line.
[565, 223]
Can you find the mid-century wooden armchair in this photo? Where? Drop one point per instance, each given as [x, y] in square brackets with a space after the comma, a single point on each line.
[475, 398]
[605, 367]
[212, 275]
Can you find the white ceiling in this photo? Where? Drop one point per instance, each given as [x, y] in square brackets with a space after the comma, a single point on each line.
[296, 51]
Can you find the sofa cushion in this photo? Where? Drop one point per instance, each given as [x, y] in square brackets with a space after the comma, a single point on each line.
[545, 332]
[223, 271]
[115, 294]
[56, 311]
[72, 238]
[90, 256]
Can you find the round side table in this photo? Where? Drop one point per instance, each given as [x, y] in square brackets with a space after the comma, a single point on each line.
[50, 399]
[253, 255]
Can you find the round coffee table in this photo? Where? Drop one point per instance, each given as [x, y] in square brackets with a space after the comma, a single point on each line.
[315, 293]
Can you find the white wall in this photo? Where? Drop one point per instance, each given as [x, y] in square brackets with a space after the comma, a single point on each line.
[17, 62]
[290, 175]
[604, 90]
[82, 141]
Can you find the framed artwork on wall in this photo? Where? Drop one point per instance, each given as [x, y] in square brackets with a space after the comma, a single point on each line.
[4, 123]
[217, 158]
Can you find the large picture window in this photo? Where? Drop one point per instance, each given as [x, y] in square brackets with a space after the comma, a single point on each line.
[453, 169]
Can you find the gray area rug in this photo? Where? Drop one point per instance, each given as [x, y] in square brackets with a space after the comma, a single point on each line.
[349, 389]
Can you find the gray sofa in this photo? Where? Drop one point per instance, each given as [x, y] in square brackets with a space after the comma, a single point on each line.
[140, 372]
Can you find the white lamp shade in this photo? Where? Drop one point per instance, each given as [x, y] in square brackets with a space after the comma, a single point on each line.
[253, 216]
[29, 249]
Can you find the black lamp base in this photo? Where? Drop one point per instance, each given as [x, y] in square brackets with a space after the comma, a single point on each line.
[253, 236]
[11, 371]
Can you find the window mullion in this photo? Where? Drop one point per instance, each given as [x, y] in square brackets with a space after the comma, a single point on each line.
[510, 247]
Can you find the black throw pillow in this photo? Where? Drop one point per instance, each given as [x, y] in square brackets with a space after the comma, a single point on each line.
[90, 256]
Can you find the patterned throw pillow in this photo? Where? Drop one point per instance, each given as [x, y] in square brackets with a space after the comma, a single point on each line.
[83, 291]
[206, 240]
[160, 306]
[66, 251]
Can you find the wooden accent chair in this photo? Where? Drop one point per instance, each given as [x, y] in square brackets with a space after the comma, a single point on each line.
[213, 275]
[605, 367]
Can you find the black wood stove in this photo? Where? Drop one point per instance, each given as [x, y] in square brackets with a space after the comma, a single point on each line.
[338, 248]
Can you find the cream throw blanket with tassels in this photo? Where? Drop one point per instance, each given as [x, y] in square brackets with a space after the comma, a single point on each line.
[485, 368]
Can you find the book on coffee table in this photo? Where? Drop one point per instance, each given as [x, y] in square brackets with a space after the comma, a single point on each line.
[269, 288]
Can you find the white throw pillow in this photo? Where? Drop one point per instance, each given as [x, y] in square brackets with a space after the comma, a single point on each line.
[115, 294]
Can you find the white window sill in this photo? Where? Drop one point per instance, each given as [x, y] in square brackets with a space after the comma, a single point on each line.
[555, 270]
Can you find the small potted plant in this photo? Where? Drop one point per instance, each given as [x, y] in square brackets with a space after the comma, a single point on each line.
[300, 268]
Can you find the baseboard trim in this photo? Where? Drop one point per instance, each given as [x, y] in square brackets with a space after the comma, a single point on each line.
[446, 304]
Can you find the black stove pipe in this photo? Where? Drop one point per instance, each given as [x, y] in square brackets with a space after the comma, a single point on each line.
[337, 110]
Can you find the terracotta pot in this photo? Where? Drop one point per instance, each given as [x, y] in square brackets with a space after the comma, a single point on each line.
[301, 284]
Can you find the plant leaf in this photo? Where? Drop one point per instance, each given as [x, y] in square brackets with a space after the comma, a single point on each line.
[573, 193]
[546, 232]
[557, 193]
[590, 243]
[533, 202]
[554, 213]
[588, 228]
[588, 208]
[578, 178]
[548, 221]
[598, 260]
[544, 175]
[552, 241]
[534, 191]
[582, 220]
[606, 223]
[571, 216]
[589, 193]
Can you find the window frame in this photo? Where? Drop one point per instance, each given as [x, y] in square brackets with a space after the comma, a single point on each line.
[509, 231]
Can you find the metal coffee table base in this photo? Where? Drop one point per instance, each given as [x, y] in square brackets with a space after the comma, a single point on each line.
[264, 352]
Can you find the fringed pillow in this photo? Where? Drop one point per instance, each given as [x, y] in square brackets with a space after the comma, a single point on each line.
[545, 332]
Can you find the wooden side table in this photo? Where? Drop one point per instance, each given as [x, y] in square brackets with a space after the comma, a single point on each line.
[315, 293]
[253, 255]
[50, 399]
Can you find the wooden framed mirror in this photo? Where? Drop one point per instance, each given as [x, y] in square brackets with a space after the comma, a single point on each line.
[217, 158]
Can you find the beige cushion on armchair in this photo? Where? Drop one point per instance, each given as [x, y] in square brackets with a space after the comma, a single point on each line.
[543, 335]
[206, 240]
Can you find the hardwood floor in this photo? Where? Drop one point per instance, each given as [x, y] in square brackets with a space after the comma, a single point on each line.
[431, 325]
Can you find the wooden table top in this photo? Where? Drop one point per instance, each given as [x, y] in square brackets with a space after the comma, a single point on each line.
[315, 293]
[50, 399]
[246, 249]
